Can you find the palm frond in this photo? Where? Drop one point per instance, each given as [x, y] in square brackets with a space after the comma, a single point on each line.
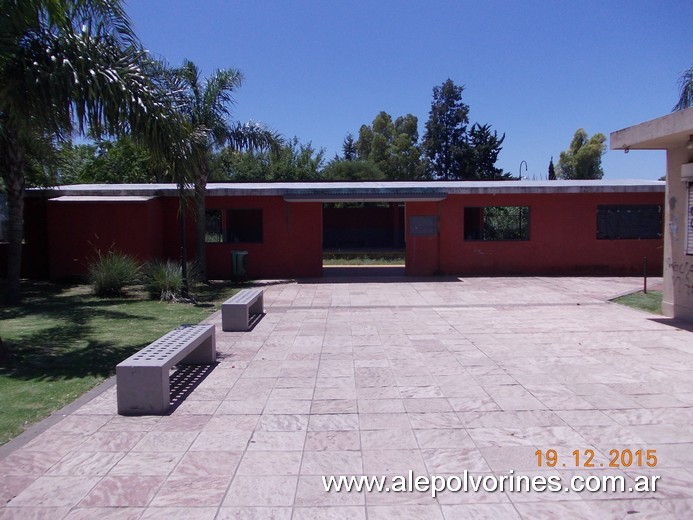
[686, 91]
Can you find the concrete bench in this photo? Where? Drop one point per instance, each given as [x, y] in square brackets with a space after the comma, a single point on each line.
[143, 385]
[236, 311]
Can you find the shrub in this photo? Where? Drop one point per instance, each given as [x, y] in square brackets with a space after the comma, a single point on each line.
[110, 273]
[164, 280]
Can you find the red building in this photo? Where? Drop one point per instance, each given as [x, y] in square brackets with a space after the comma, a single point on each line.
[460, 228]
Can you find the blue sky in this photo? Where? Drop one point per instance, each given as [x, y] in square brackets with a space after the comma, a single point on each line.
[534, 70]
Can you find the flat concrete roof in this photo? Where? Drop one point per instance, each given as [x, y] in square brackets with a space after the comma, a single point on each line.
[92, 198]
[341, 191]
[666, 132]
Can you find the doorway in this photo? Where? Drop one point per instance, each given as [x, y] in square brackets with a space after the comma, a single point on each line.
[363, 238]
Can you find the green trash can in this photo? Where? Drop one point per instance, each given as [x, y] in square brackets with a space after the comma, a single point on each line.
[238, 266]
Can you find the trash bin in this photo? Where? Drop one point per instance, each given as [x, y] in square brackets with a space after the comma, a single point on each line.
[238, 265]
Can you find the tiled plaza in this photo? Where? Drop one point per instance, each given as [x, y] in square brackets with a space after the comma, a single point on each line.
[436, 376]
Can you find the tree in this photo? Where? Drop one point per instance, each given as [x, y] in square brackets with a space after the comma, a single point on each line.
[481, 155]
[292, 161]
[352, 171]
[583, 160]
[552, 170]
[455, 150]
[108, 162]
[208, 112]
[444, 141]
[349, 148]
[392, 146]
[686, 90]
[67, 66]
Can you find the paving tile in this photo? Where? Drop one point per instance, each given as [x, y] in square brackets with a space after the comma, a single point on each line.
[207, 464]
[85, 463]
[179, 513]
[28, 463]
[123, 491]
[165, 441]
[11, 486]
[112, 441]
[33, 513]
[405, 512]
[251, 490]
[191, 491]
[483, 512]
[146, 463]
[383, 439]
[332, 440]
[330, 513]
[254, 513]
[332, 463]
[277, 441]
[54, 492]
[232, 440]
[270, 463]
[105, 513]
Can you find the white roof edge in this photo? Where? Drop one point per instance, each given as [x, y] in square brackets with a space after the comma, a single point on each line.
[102, 198]
[342, 190]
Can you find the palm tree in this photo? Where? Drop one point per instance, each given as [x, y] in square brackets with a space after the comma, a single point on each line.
[686, 96]
[208, 110]
[69, 66]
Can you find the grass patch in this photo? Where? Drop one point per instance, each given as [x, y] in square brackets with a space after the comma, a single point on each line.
[346, 259]
[63, 340]
[650, 302]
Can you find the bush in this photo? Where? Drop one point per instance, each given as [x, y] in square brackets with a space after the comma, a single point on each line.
[110, 273]
[164, 280]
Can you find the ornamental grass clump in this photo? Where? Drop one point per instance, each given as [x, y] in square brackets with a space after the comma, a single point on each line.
[111, 273]
[164, 280]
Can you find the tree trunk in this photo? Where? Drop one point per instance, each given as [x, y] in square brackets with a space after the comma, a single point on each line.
[201, 222]
[14, 181]
[182, 208]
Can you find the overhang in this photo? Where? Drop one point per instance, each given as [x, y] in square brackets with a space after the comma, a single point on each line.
[101, 198]
[664, 133]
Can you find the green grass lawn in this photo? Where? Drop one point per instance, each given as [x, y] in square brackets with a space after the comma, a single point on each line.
[63, 341]
[362, 260]
[650, 302]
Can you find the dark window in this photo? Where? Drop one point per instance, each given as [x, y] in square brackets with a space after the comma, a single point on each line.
[629, 222]
[214, 230]
[496, 223]
[234, 225]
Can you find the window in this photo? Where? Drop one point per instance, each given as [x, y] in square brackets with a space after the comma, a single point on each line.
[496, 223]
[234, 225]
[629, 222]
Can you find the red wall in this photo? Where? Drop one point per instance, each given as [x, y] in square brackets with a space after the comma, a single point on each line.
[78, 229]
[292, 239]
[562, 238]
[422, 256]
[62, 236]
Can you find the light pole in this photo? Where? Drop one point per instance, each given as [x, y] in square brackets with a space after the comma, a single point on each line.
[521, 163]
